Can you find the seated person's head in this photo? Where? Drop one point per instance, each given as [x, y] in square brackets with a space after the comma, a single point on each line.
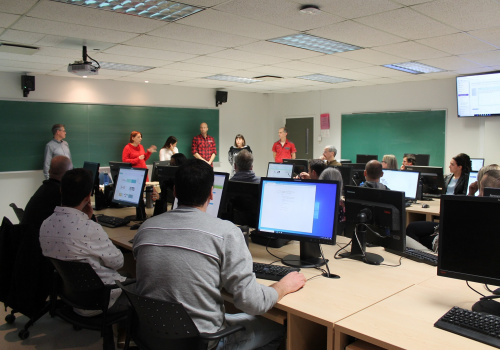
[464, 161]
[193, 183]
[491, 179]
[76, 185]
[58, 167]
[178, 159]
[373, 171]
[331, 174]
[329, 152]
[389, 162]
[243, 161]
[316, 167]
[410, 159]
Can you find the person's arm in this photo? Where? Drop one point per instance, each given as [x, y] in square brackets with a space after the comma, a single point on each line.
[473, 188]
[293, 151]
[163, 155]
[289, 284]
[150, 150]
[212, 157]
[294, 155]
[46, 162]
[274, 156]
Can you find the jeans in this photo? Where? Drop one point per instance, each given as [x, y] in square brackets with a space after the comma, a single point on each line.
[259, 333]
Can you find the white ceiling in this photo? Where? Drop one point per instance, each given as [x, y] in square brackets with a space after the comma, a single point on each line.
[229, 37]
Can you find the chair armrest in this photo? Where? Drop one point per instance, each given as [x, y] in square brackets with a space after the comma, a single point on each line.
[222, 333]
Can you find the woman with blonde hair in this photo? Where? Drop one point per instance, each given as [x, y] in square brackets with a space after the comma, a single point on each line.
[389, 161]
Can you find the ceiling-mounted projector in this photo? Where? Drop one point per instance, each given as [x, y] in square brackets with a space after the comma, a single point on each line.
[84, 67]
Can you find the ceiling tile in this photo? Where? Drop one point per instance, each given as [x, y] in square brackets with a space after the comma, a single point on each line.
[148, 53]
[356, 34]
[208, 70]
[411, 50]
[221, 62]
[155, 42]
[229, 23]
[491, 58]
[370, 56]
[19, 37]
[407, 24]
[278, 50]
[245, 56]
[463, 14]
[458, 43]
[337, 62]
[355, 8]
[450, 63]
[16, 6]
[8, 19]
[490, 35]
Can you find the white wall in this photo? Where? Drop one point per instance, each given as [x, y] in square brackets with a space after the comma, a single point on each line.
[256, 116]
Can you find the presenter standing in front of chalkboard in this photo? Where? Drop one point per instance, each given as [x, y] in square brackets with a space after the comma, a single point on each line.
[203, 145]
[56, 147]
[134, 152]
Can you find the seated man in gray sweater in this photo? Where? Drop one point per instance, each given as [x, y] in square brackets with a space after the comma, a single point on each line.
[188, 256]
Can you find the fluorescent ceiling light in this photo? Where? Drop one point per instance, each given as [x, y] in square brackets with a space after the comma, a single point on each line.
[414, 68]
[168, 11]
[233, 79]
[315, 43]
[324, 78]
[125, 67]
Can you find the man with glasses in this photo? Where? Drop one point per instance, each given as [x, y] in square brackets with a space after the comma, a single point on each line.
[56, 147]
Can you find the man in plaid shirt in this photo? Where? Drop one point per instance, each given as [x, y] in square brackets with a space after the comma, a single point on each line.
[203, 146]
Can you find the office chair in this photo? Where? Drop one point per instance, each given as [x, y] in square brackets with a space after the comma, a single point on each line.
[157, 324]
[78, 286]
[18, 211]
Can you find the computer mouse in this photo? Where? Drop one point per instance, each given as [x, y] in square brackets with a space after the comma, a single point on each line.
[425, 206]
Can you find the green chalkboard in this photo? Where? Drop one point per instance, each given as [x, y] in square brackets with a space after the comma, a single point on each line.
[95, 133]
[420, 132]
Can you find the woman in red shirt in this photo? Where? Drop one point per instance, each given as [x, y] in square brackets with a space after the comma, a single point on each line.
[134, 152]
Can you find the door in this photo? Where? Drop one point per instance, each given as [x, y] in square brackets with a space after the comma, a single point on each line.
[301, 133]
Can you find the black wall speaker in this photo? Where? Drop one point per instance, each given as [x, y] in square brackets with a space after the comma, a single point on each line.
[27, 84]
[220, 97]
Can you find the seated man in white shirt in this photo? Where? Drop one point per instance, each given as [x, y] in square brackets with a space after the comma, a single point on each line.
[70, 234]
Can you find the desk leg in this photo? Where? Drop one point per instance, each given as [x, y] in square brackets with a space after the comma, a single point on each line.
[304, 334]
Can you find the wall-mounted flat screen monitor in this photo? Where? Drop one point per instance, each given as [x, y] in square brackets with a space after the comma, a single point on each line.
[280, 170]
[478, 95]
[477, 163]
[404, 181]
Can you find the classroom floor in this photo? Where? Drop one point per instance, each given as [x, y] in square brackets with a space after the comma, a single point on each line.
[47, 333]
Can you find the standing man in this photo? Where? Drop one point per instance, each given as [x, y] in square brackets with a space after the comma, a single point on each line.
[329, 153]
[203, 146]
[56, 147]
[283, 149]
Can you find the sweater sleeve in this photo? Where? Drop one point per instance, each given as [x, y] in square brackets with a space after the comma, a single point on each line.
[127, 156]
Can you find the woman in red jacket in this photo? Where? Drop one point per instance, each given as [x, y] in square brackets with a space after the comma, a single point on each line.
[134, 152]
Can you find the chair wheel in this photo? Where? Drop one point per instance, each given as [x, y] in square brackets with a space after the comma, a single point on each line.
[10, 318]
[24, 334]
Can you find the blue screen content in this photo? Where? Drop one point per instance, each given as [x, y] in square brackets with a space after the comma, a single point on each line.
[302, 209]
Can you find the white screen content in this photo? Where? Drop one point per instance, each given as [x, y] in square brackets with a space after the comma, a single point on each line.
[477, 163]
[472, 178]
[280, 170]
[128, 186]
[404, 181]
[478, 95]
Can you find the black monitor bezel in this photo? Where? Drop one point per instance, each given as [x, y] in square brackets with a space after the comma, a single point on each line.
[438, 171]
[367, 157]
[114, 168]
[154, 172]
[238, 190]
[269, 165]
[95, 174]
[299, 165]
[472, 162]
[491, 192]
[141, 196]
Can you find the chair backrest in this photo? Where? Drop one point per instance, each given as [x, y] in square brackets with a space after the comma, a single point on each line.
[18, 211]
[159, 324]
[81, 287]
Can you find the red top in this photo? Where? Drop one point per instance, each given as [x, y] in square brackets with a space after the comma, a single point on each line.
[205, 147]
[131, 155]
[283, 152]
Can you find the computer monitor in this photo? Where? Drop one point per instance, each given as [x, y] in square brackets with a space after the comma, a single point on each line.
[242, 203]
[405, 181]
[281, 170]
[431, 178]
[301, 210]
[472, 178]
[365, 158]
[154, 172]
[357, 173]
[114, 168]
[491, 192]
[165, 175]
[218, 203]
[477, 163]
[468, 242]
[299, 165]
[346, 173]
[421, 159]
[94, 169]
[129, 189]
[377, 217]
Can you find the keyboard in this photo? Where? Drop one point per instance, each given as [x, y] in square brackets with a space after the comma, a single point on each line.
[272, 272]
[431, 195]
[417, 255]
[111, 221]
[484, 328]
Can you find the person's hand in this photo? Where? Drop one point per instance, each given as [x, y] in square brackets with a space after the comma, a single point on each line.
[172, 148]
[402, 167]
[152, 149]
[141, 157]
[289, 284]
[304, 175]
[473, 188]
[322, 158]
[155, 195]
[87, 209]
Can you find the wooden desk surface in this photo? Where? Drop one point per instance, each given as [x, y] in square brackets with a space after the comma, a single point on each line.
[406, 320]
[415, 212]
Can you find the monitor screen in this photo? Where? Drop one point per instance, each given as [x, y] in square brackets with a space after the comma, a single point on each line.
[306, 211]
[129, 186]
[357, 173]
[421, 159]
[299, 165]
[472, 178]
[243, 200]
[477, 163]
[365, 158]
[478, 95]
[404, 181]
[280, 170]
[431, 177]
[377, 217]
[94, 169]
[346, 173]
[217, 204]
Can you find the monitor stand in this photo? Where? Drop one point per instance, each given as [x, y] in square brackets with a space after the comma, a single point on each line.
[140, 212]
[309, 256]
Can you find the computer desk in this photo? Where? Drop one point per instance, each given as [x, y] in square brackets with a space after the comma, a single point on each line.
[415, 212]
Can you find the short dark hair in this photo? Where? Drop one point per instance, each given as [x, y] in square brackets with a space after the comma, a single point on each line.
[76, 184]
[56, 127]
[317, 165]
[178, 159]
[411, 158]
[240, 136]
[193, 182]
[374, 169]
[464, 161]
[244, 160]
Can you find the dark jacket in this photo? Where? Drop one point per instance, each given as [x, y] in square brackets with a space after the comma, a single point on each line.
[461, 187]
